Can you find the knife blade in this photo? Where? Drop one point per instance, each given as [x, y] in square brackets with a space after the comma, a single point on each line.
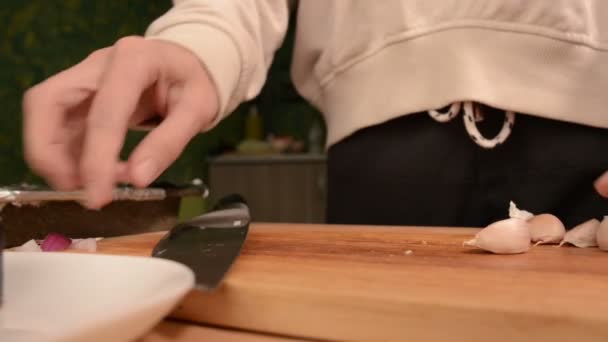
[29, 195]
[208, 244]
[30, 211]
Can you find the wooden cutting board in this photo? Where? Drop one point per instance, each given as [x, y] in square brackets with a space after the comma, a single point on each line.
[362, 284]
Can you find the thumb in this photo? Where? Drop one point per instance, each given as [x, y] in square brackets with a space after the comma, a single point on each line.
[601, 184]
[163, 145]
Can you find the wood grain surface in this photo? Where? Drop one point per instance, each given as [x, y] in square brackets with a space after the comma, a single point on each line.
[172, 331]
[355, 283]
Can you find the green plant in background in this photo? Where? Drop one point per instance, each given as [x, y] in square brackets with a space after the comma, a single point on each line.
[42, 37]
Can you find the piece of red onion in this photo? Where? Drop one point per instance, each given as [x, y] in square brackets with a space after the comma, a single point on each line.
[55, 242]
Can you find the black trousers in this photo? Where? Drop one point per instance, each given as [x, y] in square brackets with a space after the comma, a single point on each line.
[415, 171]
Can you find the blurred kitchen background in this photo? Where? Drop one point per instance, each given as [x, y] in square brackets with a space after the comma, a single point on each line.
[270, 150]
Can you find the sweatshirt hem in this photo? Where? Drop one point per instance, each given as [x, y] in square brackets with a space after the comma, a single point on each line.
[524, 73]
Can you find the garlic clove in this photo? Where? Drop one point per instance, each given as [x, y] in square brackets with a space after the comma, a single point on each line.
[517, 213]
[602, 234]
[510, 236]
[583, 235]
[546, 228]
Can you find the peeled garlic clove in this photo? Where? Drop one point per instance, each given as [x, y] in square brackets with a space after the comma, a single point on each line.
[510, 236]
[583, 235]
[514, 212]
[546, 228]
[602, 234]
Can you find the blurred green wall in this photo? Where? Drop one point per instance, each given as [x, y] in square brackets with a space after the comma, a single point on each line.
[38, 38]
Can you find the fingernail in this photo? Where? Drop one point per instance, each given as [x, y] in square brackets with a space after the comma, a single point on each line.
[94, 200]
[91, 203]
[145, 172]
[601, 184]
[122, 173]
[97, 192]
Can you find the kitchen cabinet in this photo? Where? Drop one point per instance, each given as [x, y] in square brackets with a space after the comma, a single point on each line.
[278, 188]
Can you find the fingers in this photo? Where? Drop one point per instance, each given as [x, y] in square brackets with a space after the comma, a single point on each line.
[122, 173]
[47, 136]
[44, 154]
[161, 147]
[129, 72]
[601, 185]
[112, 89]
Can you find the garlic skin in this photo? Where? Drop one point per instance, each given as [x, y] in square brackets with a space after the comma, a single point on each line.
[546, 228]
[30, 246]
[514, 212]
[602, 234]
[584, 235]
[510, 236]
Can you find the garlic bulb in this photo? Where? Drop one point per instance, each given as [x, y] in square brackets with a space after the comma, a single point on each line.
[602, 234]
[546, 228]
[510, 236]
[514, 212]
[583, 235]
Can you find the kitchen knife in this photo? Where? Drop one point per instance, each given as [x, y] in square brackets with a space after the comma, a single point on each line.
[208, 244]
[33, 211]
[21, 195]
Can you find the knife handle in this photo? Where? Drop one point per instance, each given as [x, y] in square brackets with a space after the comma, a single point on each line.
[172, 190]
[230, 201]
[229, 212]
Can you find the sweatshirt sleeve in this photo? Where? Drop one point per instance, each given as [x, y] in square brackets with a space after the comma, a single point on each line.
[234, 39]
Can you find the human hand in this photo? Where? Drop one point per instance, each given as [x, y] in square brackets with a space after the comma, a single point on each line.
[75, 122]
[601, 185]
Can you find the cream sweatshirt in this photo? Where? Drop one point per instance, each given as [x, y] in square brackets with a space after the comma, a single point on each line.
[363, 62]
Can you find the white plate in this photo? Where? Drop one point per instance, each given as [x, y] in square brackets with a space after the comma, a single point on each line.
[87, 297]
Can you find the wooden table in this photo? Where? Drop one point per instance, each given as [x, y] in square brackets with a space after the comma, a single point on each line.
[396, 284]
